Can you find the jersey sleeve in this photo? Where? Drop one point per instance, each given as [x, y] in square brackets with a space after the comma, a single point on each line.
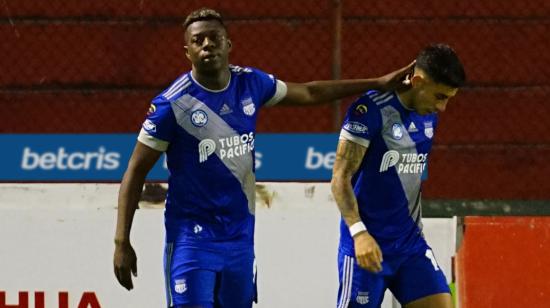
[362, 122]
[270, 89]
[159, 127]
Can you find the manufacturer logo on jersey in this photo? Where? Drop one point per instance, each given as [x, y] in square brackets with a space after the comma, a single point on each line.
[397, 131]
[225, 110]
[362, 298]
[389, 159]
[412, 128]
[407, 163]
[428, 129]
[206, 148]
[248, 107]
[180, 286]
[361, 109]
[199, 118]
[356, 127]
[149, 126]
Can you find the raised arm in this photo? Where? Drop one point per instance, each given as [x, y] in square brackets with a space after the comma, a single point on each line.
[125, 261]
[315, 92]
[349, 156]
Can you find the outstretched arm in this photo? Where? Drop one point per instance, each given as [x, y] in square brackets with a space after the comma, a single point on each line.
[349, 156]
[125, 261]
[315, 92]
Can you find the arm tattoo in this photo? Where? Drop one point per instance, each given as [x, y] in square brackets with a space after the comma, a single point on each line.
[348, 159]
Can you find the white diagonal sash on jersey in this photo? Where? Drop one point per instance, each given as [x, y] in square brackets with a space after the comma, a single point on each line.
[241, 167]
[405, 145]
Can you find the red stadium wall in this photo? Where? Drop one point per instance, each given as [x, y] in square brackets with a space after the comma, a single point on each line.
[502, 262]
[92, 67]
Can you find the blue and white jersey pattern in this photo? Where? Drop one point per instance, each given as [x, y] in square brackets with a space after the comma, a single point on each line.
[388, 182]
[208, 137]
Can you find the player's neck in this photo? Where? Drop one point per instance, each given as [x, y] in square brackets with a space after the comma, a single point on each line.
[406, 98]
[212, 80]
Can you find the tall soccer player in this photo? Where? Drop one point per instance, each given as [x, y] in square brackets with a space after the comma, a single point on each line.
[206, 123]
[384, 145]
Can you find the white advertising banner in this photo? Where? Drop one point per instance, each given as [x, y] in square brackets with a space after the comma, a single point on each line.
[56, 246]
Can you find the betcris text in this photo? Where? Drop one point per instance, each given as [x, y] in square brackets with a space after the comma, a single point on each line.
[61, 159]
[316, 159]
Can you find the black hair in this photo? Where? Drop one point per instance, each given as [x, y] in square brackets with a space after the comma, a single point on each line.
[203, 14]
[442, 65]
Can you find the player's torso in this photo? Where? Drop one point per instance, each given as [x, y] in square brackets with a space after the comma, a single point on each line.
[211, 162]
[388, 187]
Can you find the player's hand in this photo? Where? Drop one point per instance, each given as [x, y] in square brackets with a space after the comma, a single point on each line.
[398, 79]
[367, 252]
[125, 264]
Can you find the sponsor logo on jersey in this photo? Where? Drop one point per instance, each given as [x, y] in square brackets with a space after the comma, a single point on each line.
[199, 118]
[180, 286]
[229, 147]
[248, 107]
[149, 126]
[356, 127]
[412, 128]
[407, 163]
[397, 131]
[206, 148]
[362, 298]
[428, 129]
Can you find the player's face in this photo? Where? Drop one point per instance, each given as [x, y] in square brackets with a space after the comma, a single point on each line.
[207, 46]
[432, 97]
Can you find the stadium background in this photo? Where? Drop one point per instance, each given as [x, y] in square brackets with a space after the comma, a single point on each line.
[93, 66]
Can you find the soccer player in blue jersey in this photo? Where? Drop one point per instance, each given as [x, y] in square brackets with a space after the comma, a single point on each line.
[384, 146]
[205, 122]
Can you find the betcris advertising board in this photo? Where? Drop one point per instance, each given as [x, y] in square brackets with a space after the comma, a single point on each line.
[104, 157]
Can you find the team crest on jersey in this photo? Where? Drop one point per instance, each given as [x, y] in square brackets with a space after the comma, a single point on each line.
[248, 107]
[180, 286]
[199, 118]
[397, 131]
[362, 298]
[428, 129]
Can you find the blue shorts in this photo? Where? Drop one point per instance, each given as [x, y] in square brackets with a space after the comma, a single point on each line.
[207, 278]
[409, 278]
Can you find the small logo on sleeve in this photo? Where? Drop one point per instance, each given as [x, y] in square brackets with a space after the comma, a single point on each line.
[356, 127]
[149, 126]
[180, 286]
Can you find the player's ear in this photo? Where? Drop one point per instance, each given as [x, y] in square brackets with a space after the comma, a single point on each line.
[417, 80]
[187, 52]
[229, 44]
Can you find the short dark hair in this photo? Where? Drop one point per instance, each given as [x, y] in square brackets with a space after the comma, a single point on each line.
[203, 14]
[442, 64]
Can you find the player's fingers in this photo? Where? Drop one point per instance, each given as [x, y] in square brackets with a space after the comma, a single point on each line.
[124, 278]
[134, 268]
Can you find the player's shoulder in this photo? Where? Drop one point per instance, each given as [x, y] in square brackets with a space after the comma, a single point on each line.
[366, 102]
[248, 72]
[179, 87]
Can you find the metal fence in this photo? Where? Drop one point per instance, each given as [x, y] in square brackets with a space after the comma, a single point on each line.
[93, 66]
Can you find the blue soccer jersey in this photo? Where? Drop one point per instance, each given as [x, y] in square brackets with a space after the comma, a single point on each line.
[388, 182]
[208, 136]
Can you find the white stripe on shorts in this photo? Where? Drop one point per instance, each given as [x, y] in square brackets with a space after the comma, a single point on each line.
[347, 282]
